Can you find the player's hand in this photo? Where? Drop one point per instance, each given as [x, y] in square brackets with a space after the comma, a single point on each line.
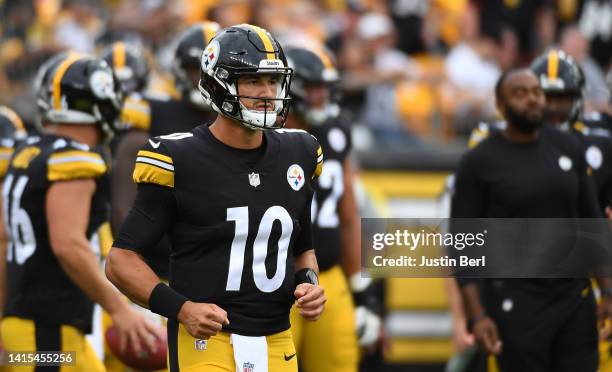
[202, 320]
[609, 212]
[486, 335]
[604, 316]
[310, 300]
[135, 329]
[462, 339]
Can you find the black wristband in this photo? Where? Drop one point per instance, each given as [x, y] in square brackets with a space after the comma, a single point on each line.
[166, 301]
[306, 276]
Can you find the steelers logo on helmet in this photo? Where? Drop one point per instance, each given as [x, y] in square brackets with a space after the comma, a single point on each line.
[210, 57]
[594, 157]
[102, 84]
[239, 52]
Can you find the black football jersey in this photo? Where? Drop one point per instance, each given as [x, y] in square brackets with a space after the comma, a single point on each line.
[597, 141]
[38, 287]
[329, 188]
[173, 116]
[7, 147]
[237, 224]
[159, 117]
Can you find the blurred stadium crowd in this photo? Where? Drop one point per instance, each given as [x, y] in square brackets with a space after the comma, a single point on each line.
[414, 72]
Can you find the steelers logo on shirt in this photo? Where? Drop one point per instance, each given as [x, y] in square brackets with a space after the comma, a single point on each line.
[295, 177]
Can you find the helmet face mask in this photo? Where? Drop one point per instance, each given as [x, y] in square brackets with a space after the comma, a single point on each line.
[236, 55]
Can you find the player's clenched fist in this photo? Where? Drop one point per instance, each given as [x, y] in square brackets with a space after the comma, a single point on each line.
[202, 320]
[310, 300]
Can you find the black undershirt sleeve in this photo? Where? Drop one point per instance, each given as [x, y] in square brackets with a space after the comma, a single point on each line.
[304, 241]
[468, 200]
[151, 216]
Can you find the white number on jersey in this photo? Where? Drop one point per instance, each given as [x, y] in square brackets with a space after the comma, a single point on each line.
[260, 248]
[332, 178]
[22, 239]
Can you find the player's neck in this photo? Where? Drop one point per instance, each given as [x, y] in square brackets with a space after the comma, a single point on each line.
[84, 133]
[234, 134]
[518, 136]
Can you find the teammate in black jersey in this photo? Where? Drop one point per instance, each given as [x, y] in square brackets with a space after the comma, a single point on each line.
[164, 117]
[12, 132]
[55, 211]
[528, 170]
[235, 202]
[331, 343]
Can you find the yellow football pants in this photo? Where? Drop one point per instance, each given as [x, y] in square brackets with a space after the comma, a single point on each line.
[21, 335]
[330, 343]
[218, 356]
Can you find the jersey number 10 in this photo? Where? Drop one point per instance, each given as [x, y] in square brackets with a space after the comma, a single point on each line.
[240, 215]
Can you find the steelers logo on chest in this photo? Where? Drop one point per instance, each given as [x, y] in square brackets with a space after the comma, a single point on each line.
[295, 177]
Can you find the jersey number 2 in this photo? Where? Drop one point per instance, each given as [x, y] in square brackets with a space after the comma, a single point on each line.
[17, 222]
[240, 215]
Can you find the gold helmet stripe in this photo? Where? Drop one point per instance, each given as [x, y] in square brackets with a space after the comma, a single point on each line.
[324, 57]
[119, 55]
[553, 65]
[57, 79]
[265, 39]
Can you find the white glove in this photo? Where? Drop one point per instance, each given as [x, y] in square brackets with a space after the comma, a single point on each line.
[368, 326]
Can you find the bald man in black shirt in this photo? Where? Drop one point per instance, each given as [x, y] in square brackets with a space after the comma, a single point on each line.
[530, 171]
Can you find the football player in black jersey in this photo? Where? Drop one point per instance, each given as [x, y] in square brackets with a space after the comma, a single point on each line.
[235, 200]
[331, 343]
[55, 209]
[563, 83]
[130, 65]
[529, 171]
[12, 132]
[162, 117]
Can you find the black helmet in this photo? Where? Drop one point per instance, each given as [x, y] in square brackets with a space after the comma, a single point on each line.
[312, 65]
[560, 74]
[79, 89]
[11, 127]
[130, 65]
[188, 49]
[245, 50]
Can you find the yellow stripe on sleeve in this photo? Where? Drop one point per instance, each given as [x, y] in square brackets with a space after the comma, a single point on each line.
[75, 164]
[319, 167]
[155, 155]
[148, 173]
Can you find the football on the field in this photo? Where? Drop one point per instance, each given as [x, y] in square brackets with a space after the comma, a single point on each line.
[145, 361]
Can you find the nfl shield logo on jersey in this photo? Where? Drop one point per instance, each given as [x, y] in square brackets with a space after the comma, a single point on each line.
[295, 177]
[201, 345]
[248, 367]
[254, 179]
